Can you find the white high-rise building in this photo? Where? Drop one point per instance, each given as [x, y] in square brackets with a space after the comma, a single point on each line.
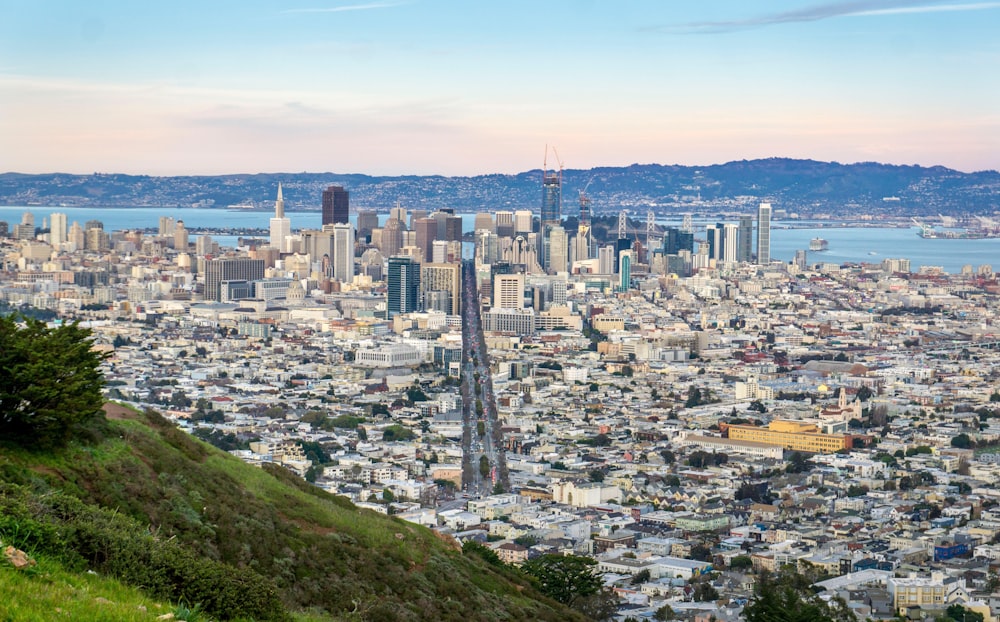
[505, 223]
[764, 234]
[76, 238]
[398, 213]
[343, 252]
[180, 237]
[508, 291]
[167, 225]
[713, 240]
[205, 245]
[439, 251]
[487, 247]
[484, 220]
[606, 260]
[583, 243]
[558, 250]
[730, 237]
[58, 230]
[281, 227]
[522, 221]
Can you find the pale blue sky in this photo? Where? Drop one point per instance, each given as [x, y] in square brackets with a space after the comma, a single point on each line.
[425, 86]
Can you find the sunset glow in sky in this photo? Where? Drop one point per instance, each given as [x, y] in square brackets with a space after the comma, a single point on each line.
[460, 88]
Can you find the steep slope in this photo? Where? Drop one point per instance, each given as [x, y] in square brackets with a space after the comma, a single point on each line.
[145, 502]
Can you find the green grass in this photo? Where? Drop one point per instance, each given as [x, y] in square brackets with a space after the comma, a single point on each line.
[326, 558]
[48, 592]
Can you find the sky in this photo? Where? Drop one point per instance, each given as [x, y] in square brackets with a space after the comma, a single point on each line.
[394, 87]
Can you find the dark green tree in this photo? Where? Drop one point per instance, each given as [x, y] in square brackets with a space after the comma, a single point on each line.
[961, 614]
[415, 394]
[396, 432]
[693, 398]
[50, 381]
[566, 579]
[788, 598]
[797, 463]
[962, 441]
[704, 592]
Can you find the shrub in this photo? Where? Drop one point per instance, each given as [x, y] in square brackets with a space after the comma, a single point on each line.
[51, 381]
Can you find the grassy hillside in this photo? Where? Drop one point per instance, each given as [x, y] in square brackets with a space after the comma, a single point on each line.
[144, 502]
[48, 591]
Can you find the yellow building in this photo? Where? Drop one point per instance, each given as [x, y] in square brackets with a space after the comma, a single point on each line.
[933, 592]
[792, 435]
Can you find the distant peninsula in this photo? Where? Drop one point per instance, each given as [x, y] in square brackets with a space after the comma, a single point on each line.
[804, 187]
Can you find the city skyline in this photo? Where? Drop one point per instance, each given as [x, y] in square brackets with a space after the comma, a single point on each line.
[416, 87]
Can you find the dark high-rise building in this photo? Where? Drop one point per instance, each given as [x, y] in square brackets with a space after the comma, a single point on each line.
[675, 241]
[621, 244]
[403, 286]
[744, 239]
[219, 270]
[336, 205]
[551, 199]
[449, 226]
[713, 234]
[453, 228]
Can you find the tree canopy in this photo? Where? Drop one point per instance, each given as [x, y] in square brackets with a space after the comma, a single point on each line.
[564, 578]
[50, 380]
[788, 597]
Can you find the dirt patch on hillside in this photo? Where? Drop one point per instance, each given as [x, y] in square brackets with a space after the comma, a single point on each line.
[117, 411]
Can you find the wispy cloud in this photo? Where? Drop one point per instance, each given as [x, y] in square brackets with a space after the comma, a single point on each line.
[348, 7]
[830, 10]
[936, 8]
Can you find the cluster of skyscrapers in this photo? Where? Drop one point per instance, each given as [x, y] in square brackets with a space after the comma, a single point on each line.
[416, 254]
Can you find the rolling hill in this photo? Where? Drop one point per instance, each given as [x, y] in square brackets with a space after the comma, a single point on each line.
[142, 503]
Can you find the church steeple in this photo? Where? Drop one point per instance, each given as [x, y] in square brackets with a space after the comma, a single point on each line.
[279, 204]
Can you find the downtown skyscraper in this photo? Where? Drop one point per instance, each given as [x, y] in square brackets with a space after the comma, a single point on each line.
[281, 227]
[764, 234]
[744, 244]
[336, 205]
[551, 213]
[402, 286]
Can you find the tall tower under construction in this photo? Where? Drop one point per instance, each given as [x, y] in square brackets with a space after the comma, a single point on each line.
[551, 215]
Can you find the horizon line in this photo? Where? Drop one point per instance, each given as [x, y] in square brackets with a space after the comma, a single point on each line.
[531, 170]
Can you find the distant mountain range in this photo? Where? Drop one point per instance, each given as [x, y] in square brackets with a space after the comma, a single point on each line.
[805, 187]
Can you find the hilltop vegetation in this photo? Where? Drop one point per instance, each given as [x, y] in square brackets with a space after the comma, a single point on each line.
[135, 498]
[51, 381]
[143, 502]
